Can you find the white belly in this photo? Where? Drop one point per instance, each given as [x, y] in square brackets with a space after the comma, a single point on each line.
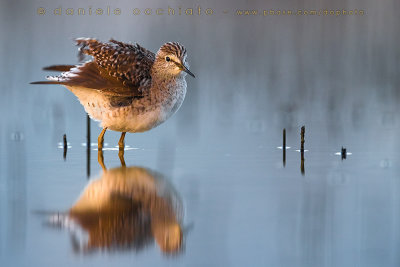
[128, 118]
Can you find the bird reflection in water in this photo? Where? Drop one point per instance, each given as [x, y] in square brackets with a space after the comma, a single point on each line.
[126, 208]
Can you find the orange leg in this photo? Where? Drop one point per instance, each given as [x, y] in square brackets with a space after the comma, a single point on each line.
[100, 140]
[121, 141]
[100, 159]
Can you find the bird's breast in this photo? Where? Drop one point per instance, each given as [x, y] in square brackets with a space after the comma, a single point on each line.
[173, 97]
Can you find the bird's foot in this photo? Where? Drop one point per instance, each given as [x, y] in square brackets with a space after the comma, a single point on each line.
[121, 157]
[100, 159]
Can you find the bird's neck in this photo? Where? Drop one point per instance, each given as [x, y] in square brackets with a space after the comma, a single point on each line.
[168, 90]
[165, 81]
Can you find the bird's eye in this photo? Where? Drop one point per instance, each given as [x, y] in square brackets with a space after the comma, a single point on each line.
[167, 59]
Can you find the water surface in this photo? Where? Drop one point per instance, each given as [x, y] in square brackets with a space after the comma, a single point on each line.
[219, 154]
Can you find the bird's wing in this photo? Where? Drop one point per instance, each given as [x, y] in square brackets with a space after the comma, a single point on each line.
[129, 63]
[117, 69]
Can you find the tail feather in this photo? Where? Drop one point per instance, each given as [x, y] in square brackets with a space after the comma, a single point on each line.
[59, 67]
[56, 79]
[47, 82]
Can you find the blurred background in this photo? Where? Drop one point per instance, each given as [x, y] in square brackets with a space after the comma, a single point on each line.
[255, 75]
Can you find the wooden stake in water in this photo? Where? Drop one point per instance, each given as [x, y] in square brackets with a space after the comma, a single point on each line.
[88, 131]
[65, 146]
[344, 153]
[284, 147]
[303, 131]
[88, 145]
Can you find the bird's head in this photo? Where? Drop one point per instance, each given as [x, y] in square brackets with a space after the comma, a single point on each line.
[171, 60]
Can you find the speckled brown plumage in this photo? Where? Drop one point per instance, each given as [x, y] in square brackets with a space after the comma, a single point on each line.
[131, 64]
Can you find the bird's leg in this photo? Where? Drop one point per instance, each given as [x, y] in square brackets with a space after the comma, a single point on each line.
[100, 159]
[100, 140]
[121, 157]
[121, 149]
[121, 141]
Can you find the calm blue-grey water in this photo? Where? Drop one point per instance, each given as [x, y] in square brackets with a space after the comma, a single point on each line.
[239, 206]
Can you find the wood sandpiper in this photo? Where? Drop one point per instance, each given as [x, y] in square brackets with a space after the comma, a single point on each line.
[125, 86]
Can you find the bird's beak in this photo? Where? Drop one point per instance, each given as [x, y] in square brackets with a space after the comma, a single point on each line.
[185, 69]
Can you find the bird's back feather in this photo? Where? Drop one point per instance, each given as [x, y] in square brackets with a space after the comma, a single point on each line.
[129, 63]
[117, 69]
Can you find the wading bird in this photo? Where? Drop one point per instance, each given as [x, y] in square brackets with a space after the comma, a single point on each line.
[125, 86]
